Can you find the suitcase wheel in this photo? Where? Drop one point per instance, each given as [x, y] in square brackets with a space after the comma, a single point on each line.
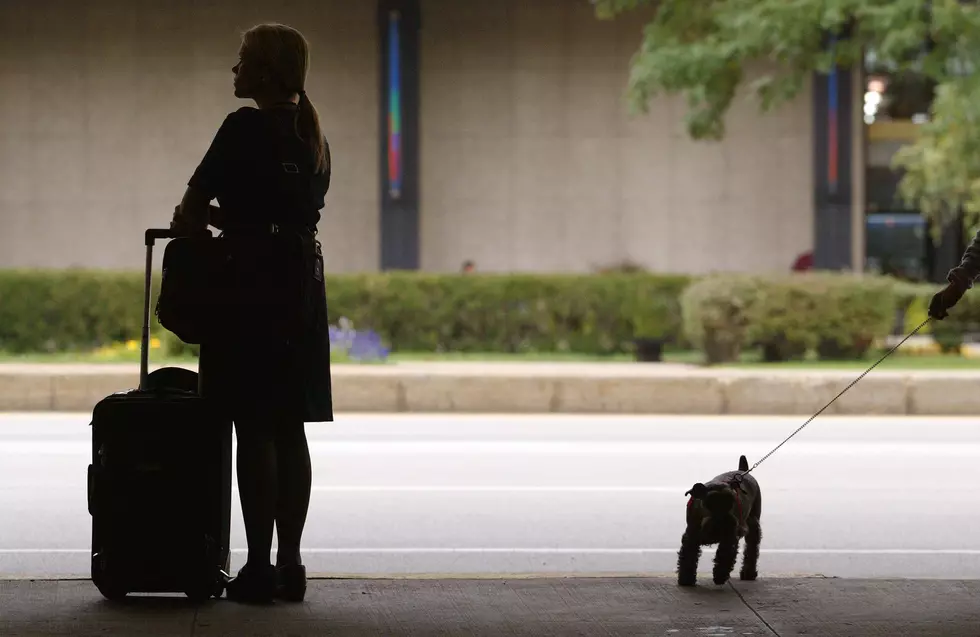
[113, 591]
[205, 590]
[211, 583]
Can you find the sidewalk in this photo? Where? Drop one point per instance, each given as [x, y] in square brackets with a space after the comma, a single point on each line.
[626, 388]
[532, 607]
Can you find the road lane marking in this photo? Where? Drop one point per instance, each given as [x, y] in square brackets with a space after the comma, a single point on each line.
[871, 448]
[675, 490]
[497, 488]
[883, 491]
[550, 551]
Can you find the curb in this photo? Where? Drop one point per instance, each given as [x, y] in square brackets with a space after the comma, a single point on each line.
[556, 388]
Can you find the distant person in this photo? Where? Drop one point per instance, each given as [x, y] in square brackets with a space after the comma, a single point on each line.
[269, 169]
[468, 267]
[803, 263]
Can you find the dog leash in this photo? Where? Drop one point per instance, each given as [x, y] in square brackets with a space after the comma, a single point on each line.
[738, 477]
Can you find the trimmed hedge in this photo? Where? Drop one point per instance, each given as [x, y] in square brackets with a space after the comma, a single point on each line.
[836, 315]
[716, 312]
[69, 310]
[839, 316]
[43, 311]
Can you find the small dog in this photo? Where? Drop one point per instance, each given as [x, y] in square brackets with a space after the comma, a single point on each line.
[722, 512]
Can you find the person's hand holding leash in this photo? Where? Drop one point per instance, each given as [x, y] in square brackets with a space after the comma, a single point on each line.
[946, 299]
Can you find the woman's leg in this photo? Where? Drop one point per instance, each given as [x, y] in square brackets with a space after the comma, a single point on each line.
[295, 477]
[257, 479]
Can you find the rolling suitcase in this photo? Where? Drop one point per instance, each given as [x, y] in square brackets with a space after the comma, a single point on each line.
[159, 485]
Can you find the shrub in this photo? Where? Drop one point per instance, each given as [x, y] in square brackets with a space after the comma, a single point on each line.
[907, 293]
[173, 346]
[500, 313]
[782, 318]
[948, 336]
[70, 310]
[912, 301]
[854, 312]
[652, 316]
[716, 313]
[915, 315]
[839, 315]
[82, 310]
[79, 310]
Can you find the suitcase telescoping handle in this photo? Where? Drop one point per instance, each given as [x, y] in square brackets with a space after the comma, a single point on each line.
[150, 238]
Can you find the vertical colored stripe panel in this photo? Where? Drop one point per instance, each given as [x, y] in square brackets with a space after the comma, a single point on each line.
[394, 107]
[832, 130]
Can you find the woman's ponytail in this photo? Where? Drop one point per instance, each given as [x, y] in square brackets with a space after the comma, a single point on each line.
[308, 129]
[286, 53]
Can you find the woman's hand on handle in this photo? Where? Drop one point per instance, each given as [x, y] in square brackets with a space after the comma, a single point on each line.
[185, 225]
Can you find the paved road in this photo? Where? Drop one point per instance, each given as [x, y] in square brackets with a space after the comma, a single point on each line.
[452, 494]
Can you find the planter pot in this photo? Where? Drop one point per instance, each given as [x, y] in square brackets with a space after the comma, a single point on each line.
[649, 350]
[721, 347]
[721, 350]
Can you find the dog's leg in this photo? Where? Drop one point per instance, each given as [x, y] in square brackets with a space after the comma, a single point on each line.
[725, 558]
[750, 561]
[687, 559]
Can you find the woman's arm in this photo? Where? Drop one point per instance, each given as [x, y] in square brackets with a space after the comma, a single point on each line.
[193, 212]
[213, 176]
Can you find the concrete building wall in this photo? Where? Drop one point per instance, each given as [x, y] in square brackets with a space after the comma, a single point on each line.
[107, 106]
[530, 160]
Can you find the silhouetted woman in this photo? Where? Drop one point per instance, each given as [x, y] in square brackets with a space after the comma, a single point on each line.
[269, 169]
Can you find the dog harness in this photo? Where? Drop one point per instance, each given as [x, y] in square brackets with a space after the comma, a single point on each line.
[738, 502]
